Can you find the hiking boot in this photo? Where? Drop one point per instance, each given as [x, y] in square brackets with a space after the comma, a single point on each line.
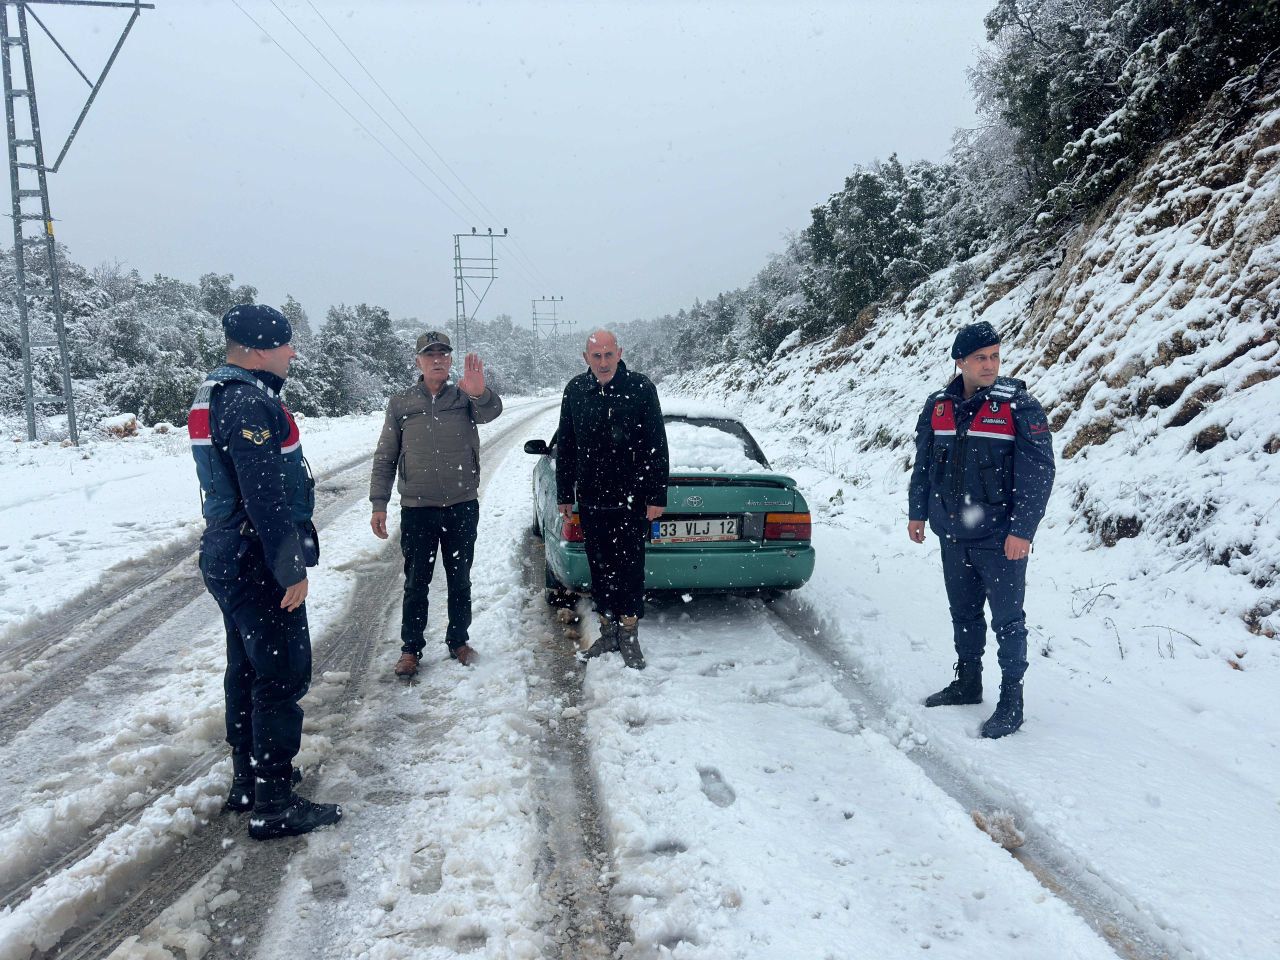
[629, 642]
[407, 665]
[279, 812]
[965, 688]
[607, 642]
[463, 654]
[1008, 716]
[244, 782]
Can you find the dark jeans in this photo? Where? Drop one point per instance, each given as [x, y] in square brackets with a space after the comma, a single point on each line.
[423, 531]
[980, 575]
[268, 662]
[614, 538]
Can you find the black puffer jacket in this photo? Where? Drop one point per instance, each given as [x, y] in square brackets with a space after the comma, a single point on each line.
[611, 447]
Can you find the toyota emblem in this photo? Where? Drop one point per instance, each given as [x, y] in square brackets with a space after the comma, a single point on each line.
[694, 501]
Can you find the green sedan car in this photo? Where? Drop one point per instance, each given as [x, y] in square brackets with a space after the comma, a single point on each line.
[732, 525]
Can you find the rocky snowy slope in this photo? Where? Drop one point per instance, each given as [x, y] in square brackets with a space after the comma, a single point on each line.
[1149, 333]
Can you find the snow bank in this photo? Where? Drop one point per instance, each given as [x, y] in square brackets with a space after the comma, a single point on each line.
[1150, 334]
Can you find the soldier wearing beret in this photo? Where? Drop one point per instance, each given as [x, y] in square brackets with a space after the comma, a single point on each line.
[258, 541]
[982, 477]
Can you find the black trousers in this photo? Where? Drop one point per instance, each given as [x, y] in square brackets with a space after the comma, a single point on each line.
[615, 538]
[976, 576]
[268, 662]
[423, 532]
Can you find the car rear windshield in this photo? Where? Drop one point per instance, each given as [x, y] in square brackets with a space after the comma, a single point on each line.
[720, 446]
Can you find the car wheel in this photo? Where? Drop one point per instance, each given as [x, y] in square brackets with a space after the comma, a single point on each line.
[557, 594]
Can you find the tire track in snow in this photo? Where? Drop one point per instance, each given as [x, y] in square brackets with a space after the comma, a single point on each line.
[347, 650]
[575, 866]
[120, 583]
[165, 590]
[1109, 911]
[336, 494]
[104, 916]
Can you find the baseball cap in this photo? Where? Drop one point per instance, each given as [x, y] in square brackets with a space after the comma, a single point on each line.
[434, 338]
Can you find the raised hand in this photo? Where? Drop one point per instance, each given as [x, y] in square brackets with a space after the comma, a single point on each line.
[472, 382]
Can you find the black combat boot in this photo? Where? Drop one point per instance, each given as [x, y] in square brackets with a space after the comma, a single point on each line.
[965, 688]
[279, 812]
[1008, 715]
[629, 642]
[607, 642]
[240, 797]
[244, 782]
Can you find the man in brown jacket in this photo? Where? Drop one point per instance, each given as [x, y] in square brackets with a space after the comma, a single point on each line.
[429, 441]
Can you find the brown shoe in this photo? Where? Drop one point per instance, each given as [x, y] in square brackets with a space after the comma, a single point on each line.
[463, 654]
[629, 642]
[407, 665]
[607, 642]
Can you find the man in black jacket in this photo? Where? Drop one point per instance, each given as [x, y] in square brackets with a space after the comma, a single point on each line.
[611, 457]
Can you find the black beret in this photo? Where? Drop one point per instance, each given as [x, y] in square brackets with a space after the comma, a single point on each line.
[974, 337]
[257, 326]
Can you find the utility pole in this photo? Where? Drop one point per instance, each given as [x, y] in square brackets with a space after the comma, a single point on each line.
[470, 268]
[546, 318]
[21, 167]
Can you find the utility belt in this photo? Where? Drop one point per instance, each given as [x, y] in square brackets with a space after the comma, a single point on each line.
[307, 534]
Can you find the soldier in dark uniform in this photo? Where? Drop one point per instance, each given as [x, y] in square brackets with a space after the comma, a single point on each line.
[611, 458]
[258, 542]
[983, 473]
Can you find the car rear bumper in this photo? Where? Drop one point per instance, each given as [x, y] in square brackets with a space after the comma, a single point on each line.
[773, 567]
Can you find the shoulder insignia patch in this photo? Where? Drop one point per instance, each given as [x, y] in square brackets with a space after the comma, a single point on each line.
[256, 437]
[1006, 388]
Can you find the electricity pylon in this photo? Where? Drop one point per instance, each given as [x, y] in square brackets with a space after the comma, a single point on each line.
[546, 318]
[471, 268]
[20, 175]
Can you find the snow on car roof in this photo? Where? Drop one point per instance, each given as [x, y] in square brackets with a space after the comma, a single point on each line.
[704, 448]
[685, 407]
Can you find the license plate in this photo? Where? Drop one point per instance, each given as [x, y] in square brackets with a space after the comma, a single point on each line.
[693, 531]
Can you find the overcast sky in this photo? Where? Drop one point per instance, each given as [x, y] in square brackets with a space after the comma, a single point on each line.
[641, 154]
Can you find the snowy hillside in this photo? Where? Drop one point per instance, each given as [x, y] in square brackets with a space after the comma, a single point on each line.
[1150, 336]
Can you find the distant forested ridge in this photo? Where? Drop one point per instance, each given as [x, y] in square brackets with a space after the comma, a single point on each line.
[1071, 96]
[142, 346]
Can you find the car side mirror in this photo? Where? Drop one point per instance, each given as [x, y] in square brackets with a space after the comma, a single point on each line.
[538, 447]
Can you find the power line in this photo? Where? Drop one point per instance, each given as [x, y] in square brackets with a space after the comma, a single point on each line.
[332, 66]
[475, 215]
[494, 217]
[344, 109]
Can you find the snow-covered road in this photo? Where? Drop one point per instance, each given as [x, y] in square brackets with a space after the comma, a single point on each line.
[768, 788]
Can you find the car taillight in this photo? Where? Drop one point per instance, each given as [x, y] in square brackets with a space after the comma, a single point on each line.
[787, 526]
[571, 530]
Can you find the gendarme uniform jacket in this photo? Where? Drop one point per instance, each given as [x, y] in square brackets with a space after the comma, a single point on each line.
[984, 466]
[253, 479]
[431, 445]
[611, 446]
